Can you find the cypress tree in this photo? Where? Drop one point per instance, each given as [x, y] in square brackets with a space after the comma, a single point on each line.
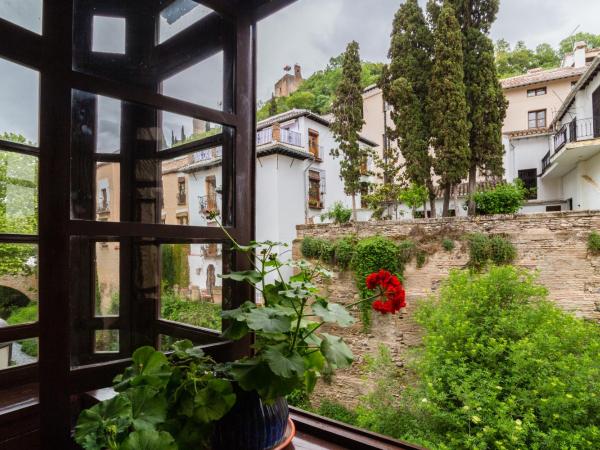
[406, 89]
[272, 106]
[487, 105]
[447, 105]
[487, 110]
[348, 121]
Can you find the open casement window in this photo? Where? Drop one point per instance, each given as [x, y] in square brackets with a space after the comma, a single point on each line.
[315, 197]
[529, 179]
[313, 143]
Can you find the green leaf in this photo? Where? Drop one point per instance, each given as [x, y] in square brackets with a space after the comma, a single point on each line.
[149, 440]
[250, 276]
[185, 349]
[149, 407]
[269, 320]
[256, 375]
[281, 363]
[236, 330]
[272, 295]
[333, 313]
[101, 424]
[310, 380]
[150, 367]
[335, 350]
[213, 401]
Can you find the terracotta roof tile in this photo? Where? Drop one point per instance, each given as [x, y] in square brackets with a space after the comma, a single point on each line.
[542, 76]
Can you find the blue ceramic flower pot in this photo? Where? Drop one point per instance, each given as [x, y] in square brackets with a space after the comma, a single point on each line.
[252, 424]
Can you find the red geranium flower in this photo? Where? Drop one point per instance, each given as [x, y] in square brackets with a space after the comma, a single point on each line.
[392, 296]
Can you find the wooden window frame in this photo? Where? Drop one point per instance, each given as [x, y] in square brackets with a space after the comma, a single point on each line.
[537, 120]
[315, 177]
[314, 150]
[537, 92]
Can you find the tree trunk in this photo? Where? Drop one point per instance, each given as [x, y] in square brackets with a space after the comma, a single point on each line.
[431, 189]
[446, 207]
[354, 207]
[471, 189]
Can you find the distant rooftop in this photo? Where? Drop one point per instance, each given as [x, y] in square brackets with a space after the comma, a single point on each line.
[535, 76]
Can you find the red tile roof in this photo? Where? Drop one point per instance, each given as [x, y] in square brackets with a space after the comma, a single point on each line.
[536, 76]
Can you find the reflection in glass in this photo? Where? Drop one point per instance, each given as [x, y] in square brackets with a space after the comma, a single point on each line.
[18, 353]
[108, 191]
[25, 13]
[201, 84]
[18, 193]
[107, 279]
[19, 97]
[106, 341]
[108, 134]
[178, 130]
[191, 287]
[178, 16]
[19, 287]
[108, 34]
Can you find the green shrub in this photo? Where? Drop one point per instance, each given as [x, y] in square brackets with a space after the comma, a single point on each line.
[344, 249]
[448, 244]
[26, 314]
[421, 259]
[373, 254]
[338, 213]
[315, 248]
[336, 411]
[406, 252]
[198, 314]
[593, 243]
[484, 250]
[503, 199]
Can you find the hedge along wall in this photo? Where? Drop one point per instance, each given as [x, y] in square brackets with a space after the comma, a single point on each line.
[555, 244]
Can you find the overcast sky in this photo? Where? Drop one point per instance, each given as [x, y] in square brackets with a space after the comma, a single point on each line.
[311, 31]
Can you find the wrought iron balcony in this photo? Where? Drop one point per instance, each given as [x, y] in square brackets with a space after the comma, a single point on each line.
[208, 204]
[181, 198]
[265, 136]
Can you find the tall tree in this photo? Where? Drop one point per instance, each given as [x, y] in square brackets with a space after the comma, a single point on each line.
[447, 104]
[272, 106]
[487, 110]
[405, 87]
[566, 45]
[348, 121]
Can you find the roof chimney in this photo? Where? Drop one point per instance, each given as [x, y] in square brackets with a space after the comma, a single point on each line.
[297, 71]
[579, 50]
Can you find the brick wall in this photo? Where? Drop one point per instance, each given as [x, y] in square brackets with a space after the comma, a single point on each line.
[555, 244]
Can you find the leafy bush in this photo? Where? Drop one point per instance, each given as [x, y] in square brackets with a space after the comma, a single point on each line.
[344, 249]
[448, 244]
[503, 199]
[336, 411]
[406, 251]
[314, 248]
[484, 250]
[371, 255]
[198, 314]
[593, 243]
[26, 314]
[338, 213]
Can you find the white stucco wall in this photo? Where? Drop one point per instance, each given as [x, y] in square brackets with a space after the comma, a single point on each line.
[590, 183]
[197, 189]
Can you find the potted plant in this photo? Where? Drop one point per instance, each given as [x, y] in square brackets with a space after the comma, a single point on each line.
[186, 400]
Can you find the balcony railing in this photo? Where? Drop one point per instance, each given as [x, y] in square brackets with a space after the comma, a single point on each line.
[208, 204]
[546, 161]
[576, 130]
[265, 136]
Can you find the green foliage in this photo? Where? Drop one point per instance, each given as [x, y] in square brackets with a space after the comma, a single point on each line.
[162, 403]
[448, 244]
[347, 123]
[520, 59]
[485, 250]
[421, 259]
[344, 249]
[336, 411]
[26, 314]
[11, 299]
[567, 44]
[196, 313]
[175, 266]
[338, 213]
[593, 243]
[447, 104]
[371, 255]
[414, 196]
[315, 248]
[506, 198]
[317, 93]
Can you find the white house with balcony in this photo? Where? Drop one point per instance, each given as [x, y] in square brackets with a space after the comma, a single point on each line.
[564, 158]
[297, 180]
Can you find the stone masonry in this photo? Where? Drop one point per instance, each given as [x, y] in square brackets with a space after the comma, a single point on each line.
[554, 244]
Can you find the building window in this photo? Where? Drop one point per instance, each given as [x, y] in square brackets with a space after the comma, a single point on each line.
[103, 199]
[364, 191]
[182, 219]
[181, 194]
[314, 189]
[537, 92]
[313, 144]
[529, 179]
[553, 208]
[537, 119]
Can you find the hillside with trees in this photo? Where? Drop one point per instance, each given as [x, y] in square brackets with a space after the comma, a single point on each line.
[317, 93]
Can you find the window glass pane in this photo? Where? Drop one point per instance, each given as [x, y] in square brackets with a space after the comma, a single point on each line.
[201, 84]
[19, 97]
[108, 191]
[108, 134]
[107, 279]
[108, 34]
[18, 283]
[18, 353]
[25, 13]
[178, 130]
[180, 15]
[106, 341]
[18, 193]
[191, 289]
